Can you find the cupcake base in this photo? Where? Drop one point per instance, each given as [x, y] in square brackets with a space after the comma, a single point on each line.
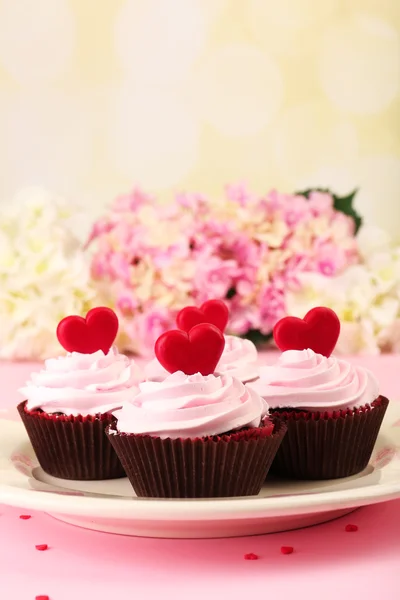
[321, 445]
[235, 464]
[72, 447]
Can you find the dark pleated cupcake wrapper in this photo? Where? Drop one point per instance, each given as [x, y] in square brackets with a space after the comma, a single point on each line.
[72, 447]
[327, 445]
[230, 465]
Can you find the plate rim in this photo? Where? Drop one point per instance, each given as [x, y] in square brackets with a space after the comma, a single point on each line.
[196, 509]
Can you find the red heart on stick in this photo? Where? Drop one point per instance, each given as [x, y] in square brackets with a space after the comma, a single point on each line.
[195, 352]
[213, 311]
[87, 335]
[319, 330]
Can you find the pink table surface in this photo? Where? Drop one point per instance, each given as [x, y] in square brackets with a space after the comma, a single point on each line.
[327, 562]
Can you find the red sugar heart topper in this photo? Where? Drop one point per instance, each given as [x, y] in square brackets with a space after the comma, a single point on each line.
[195, 352]
[319, 330]
[213, 311]
[87, 335]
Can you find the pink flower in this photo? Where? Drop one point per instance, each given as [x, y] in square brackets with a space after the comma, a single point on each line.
[320, 203]
[132, 201]
[209, 237]
[272, 307]
[238, 193]
[327, 267]
[273, 201]
[346, 224]
[151, 324]
[101, 227]
[242, 318]
[246, 251]
[197, 203]
[249, 250]
[295, 210]
[100, 265]
[329, 259]
[214, 277]
[180, 250]
[126, 304]
[119, 267]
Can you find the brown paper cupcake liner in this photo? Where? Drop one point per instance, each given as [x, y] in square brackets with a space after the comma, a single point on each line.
[322, 445]
[72, 447]
[235, 464]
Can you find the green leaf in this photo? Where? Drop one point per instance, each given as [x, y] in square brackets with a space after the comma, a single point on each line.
[231, 293]
[306, 193]
[258, 338]
[343, 204]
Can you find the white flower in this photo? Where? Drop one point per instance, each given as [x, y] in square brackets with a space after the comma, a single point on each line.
[357, 338]
[366, 297]
[389, 337]
[315, 290]
[372, 239]
[44, 274]
[384, 312]
[357, 289]
[385, 269]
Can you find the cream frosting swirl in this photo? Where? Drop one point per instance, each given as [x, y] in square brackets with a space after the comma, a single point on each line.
[82, 384]
[239, 359]
[154, 371]
[304, 379]
[191, 406]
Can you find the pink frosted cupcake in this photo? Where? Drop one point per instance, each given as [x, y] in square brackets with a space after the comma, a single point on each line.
[195, 434]
[333, 409]
[70, 402]
[239, 357]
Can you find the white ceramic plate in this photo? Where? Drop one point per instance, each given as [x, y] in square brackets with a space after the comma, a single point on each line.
[111, 506]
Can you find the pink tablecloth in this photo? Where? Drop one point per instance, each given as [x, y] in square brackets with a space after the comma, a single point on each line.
[327, 562]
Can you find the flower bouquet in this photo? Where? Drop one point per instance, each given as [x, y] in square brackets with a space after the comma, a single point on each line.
[150, 260]
[44, 274]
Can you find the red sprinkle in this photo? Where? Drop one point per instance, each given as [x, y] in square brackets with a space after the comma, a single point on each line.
[42, 597]
[350, 527]
[287, 549]
[251, 556]
[41, 547]
[25, 517]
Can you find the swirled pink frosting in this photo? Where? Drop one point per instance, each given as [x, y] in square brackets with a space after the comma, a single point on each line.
[239, 359]
[82, 384]
[191, 406]
[304, 379]
[154, 371]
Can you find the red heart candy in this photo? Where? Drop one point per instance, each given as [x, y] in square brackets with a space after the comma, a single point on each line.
[319, 330]
[213, 311]
[195, 352]
[87, 335]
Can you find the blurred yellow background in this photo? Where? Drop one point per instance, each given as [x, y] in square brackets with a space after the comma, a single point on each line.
[96, 96]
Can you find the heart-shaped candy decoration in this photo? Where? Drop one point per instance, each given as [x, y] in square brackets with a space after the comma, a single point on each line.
[195, 352]
[213, 311]
[87, 335]
[319, 330]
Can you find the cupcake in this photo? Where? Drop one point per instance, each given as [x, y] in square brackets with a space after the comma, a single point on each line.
[69, 403]
[239, 357]
[195, 434]
[332, 409]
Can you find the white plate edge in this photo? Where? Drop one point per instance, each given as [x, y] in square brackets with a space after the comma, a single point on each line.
[211, 509]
